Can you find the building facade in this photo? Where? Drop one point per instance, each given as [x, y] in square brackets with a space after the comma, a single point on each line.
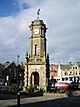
[71, 72]
[1, 74]
[37, 61]
[66, 72]
[10, 74]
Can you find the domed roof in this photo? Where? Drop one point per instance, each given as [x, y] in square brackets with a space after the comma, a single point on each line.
[38, 21]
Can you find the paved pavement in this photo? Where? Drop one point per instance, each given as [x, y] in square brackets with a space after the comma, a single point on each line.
[42, 101]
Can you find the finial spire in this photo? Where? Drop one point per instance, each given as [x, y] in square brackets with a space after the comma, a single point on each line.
[38, 12]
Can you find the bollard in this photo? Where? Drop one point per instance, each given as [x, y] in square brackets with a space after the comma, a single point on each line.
[18, 99]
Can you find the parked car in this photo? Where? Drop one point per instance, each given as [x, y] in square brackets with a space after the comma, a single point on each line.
[61, 85]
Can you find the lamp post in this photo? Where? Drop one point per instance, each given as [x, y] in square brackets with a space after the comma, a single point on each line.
[18, 99]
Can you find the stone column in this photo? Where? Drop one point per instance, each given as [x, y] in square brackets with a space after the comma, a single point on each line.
[25, 78]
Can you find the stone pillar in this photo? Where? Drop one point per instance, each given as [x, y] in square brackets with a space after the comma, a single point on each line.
[25, 78]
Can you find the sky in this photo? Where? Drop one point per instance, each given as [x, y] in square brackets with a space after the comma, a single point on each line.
[62, 18]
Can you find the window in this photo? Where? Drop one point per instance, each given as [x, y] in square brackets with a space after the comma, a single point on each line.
[3, 73]
[35, 49]
[14, 72]
[66, 79]
[70, 78]
[76, 73]
[65, 73]
[62, 79]
[10, 71]
[1, 80]
[75, 67]
[41, 31]
[70, 72]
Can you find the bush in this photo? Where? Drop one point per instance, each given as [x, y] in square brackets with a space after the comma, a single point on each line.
[20, 88]
[41, 90]
[31, 89]
[12, 88]
[62, 91]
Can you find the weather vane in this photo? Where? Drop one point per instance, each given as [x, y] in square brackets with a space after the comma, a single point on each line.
[38, 12]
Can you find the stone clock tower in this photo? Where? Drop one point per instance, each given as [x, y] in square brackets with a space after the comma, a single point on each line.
[37, 61]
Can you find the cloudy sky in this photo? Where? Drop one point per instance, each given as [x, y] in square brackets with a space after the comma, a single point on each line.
[62, 18]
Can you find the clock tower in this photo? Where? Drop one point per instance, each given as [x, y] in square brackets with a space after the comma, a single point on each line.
[37, 61]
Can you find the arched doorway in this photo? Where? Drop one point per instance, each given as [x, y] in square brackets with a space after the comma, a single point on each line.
[35, 79]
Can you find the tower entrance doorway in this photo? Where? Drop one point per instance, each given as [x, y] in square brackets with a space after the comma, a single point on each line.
[35, 79]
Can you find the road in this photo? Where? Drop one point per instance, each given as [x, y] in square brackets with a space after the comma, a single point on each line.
[42, 101]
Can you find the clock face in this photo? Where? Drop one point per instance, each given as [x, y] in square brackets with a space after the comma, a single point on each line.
[36, 31]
